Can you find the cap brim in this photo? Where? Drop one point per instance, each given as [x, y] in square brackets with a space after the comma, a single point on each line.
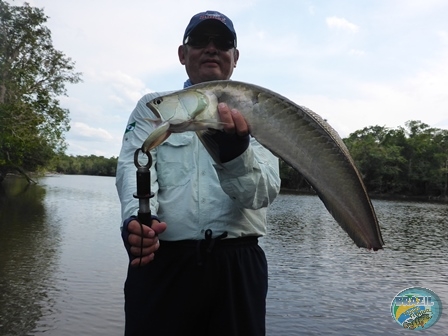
[212, 22]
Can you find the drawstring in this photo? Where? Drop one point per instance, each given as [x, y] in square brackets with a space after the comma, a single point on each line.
[209, 244]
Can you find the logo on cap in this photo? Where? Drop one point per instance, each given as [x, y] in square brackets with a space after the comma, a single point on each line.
[216, 16]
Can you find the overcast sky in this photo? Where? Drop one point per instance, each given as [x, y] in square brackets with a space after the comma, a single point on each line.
[357, 63]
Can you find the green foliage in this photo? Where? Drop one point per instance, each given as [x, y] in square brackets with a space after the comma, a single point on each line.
[84, 165]
[32, 76]
[409, 161]
[377, 157]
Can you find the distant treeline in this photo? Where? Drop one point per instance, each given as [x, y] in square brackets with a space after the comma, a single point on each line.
[411, 161]
[407, 161]
[84, 165]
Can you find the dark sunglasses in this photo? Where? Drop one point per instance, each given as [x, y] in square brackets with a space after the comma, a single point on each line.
[201, 41]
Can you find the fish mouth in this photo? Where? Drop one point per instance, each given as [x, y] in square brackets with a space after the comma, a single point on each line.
[154, 110]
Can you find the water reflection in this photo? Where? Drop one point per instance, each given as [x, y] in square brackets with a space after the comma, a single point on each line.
[92, 260]
[321, 283]
[28, 253]
[62, 263]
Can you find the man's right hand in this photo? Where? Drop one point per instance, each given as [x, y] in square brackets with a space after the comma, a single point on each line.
[150, 241]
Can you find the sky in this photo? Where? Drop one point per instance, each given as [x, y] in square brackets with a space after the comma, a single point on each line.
[357, 63]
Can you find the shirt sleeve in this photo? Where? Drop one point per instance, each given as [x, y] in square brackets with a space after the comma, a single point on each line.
[252, 179]
[138, 129]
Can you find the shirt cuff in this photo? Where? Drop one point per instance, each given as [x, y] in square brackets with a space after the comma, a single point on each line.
[230, 145]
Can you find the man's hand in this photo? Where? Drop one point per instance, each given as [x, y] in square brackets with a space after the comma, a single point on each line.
[150, 241]
[233, 140]
[233, 119]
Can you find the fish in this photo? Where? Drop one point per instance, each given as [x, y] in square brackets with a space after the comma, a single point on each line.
[419, 321]
[293, 133]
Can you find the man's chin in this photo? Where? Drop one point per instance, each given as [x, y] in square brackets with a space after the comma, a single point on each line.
[207, 77]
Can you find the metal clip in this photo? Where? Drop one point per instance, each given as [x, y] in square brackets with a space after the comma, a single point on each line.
[143, 187]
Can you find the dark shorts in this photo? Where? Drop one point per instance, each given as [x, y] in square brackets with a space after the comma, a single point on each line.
[192, 288]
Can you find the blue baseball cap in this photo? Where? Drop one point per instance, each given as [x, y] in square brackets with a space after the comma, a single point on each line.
[199, 18]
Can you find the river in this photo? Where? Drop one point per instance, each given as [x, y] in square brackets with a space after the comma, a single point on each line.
[63, 265]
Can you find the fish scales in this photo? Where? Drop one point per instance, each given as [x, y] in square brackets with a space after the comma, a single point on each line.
[309, 144]
[318, 159]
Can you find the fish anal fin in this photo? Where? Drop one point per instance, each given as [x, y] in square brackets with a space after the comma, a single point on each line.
[210, 145]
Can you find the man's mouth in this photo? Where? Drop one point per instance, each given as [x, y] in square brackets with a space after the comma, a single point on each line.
[210, 61]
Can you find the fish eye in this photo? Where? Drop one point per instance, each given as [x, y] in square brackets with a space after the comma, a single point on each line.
[157, 101]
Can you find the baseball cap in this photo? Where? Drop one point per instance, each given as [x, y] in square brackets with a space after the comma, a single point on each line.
[208, 16]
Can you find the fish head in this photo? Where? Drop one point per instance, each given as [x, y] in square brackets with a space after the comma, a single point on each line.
[185, 105]
[182, 111]
[171, 107]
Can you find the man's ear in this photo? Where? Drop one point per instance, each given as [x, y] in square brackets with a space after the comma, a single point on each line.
[181, 53]
[236, 55]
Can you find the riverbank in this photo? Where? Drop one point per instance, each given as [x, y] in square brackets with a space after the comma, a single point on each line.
[387, 197]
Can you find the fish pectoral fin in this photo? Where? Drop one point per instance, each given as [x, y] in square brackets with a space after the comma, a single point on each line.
[154, 120]
[159, 135]
[212, 123]
[210, 144]
[178, 126]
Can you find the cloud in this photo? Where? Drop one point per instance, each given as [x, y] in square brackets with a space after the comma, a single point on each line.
[84, 139]
[123, 87]
[355, 52]
[341, 23]
[390, 71]
[103, 148]
[421, 95]
[81, 130]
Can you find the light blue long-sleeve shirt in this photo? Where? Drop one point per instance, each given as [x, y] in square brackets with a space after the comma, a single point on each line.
[192, 193]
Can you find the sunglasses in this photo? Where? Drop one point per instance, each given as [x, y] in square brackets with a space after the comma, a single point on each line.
[201, 41]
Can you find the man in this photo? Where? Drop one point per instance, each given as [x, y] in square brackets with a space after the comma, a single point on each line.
[200, 270]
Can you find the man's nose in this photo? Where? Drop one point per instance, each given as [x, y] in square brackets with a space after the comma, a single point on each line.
[211, 46]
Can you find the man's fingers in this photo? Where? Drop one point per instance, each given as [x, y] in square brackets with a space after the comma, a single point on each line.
[226, 117]
[241, 127]
[142, 261]
[134, 227]
[148, 232]
[144, 248]
[138, 251]
[136, 240]
[158, 227]
[233, 120]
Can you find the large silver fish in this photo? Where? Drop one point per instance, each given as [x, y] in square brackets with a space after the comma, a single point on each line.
[294, 133]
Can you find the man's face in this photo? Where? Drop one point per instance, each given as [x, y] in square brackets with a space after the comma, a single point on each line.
[208, 61]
